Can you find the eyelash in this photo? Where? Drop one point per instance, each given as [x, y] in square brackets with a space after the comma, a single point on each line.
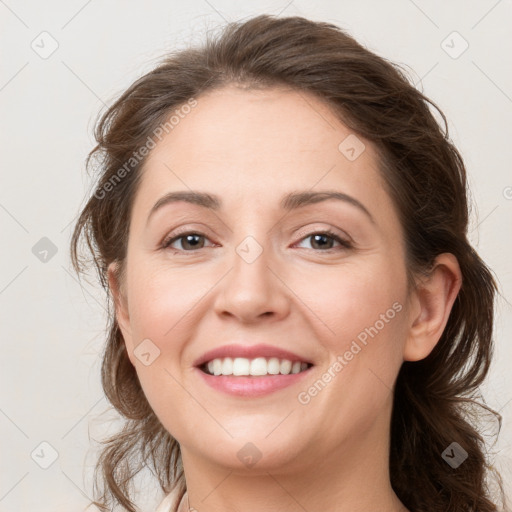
[345, 244]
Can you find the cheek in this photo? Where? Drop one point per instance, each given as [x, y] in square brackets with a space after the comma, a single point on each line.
[161, 309]
[353, 300]
[362, 328]
[365, 355]
[162, 304]
[161, 321]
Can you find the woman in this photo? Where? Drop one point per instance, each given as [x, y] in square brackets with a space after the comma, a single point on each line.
[299, 321]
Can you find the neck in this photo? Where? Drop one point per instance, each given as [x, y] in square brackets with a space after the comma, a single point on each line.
[353, 477]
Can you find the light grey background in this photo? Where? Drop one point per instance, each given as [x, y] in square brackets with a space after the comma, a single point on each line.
[53, 329]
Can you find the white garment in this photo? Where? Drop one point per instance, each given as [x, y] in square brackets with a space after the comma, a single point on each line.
[170, 502]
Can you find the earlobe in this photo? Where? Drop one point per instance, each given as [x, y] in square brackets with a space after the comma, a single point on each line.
[121, 305]
[434, 297]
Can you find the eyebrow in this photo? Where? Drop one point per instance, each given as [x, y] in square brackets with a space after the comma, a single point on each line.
[289, 202]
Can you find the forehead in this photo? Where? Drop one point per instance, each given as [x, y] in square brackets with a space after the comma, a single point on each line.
[256, 146]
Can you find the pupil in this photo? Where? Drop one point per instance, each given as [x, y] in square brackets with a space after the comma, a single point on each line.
[189, 239]
[316, 237]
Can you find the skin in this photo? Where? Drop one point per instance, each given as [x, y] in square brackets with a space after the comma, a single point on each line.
[250, 147]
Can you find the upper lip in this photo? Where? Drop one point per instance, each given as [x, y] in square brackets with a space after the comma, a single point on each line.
[249, 352]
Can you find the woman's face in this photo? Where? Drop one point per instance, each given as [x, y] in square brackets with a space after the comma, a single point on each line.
[257, 277]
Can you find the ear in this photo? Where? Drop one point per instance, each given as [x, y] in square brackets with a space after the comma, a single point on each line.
[121, 307]
[433, 300]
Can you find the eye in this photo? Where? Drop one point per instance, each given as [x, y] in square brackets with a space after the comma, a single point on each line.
[191, 241]
[321, 239]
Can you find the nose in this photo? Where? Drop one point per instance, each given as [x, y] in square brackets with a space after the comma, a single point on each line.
[253, 291]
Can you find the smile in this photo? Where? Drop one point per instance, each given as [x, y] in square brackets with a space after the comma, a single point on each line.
[250, 371]
[259, 366]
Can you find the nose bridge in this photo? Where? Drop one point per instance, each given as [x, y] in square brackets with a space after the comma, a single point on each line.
[251, 289]
[251, 268]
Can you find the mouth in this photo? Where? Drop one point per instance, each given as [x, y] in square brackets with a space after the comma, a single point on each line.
[251, 371]
[256, 367]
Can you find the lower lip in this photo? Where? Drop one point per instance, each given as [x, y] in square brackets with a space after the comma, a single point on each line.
[251, 386]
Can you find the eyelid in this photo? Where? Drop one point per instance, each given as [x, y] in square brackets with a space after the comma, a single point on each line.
[180, 233]
[344, 243]
[303, 232]
[343, 238]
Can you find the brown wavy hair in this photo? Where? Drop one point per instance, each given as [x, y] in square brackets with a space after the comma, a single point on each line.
[435, 400]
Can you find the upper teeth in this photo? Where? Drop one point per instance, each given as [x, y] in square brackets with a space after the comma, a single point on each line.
[257, 366]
